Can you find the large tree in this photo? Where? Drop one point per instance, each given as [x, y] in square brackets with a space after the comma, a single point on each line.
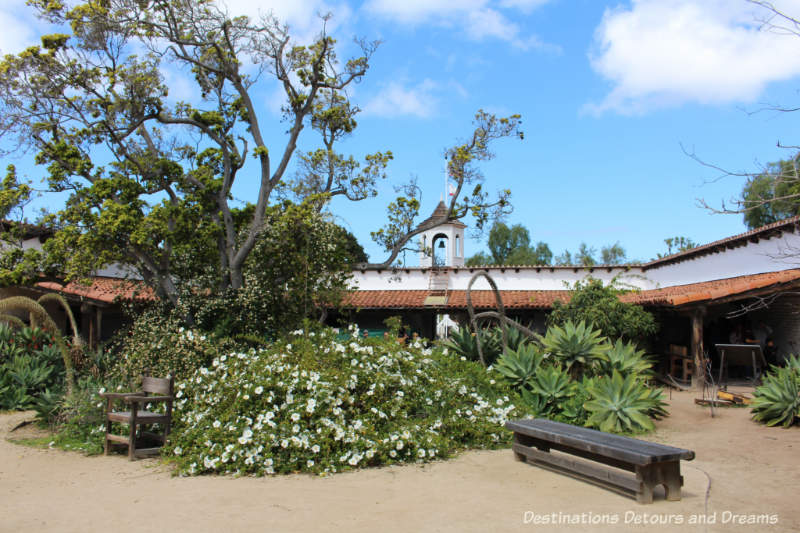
[512, 246]
[150, 182]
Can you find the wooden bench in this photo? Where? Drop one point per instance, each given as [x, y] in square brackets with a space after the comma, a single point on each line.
[633, 467]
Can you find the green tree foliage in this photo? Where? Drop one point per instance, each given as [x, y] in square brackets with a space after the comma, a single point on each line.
[299, 267]
[772, 195]
[677, 244]
[401, 227]
[612, 254]
[150, 181]
[512, 246]
[599, 305]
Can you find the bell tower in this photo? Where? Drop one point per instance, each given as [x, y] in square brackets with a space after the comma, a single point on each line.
[442, 245]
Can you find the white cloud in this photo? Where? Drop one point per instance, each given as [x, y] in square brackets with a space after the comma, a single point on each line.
[18, 30]
[523, 5]
[303, 17]
[477, 17]
[659, 53]
[418, 11]
[396, 100]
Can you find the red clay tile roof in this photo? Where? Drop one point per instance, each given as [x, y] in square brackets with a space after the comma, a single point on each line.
[103, 289]
[109, 290]
[670, 296]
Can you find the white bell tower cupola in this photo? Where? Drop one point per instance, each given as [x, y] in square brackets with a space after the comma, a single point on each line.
[443, 245]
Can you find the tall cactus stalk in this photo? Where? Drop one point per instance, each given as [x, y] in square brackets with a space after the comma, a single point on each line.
[55, 297]
[11, 320]
[40, 316]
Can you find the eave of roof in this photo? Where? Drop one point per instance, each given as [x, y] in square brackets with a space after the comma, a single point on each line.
[677, 296]
[764, 232]
[102, 289]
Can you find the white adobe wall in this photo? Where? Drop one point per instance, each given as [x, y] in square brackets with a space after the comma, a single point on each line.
[767, 255]
[507, 279]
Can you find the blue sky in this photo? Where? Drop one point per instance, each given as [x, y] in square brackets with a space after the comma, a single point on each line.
[609, 92]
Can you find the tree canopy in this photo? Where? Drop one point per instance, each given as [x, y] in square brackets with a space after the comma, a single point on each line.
[772, 195]
[150, 180]
[593, 303]
[512, 246]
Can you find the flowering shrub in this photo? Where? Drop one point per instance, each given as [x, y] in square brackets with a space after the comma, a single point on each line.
[314, 404]
[159, 344]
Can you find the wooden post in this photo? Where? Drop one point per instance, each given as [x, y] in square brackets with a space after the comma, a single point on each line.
[98, 313]
[86, 323]
[698, 377]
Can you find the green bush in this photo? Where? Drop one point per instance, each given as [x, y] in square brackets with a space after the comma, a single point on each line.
[598, 305]
[159, 344]
[30, 365]
[312, 403]
[78, 420]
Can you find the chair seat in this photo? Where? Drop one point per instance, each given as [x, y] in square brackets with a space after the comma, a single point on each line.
[142, 417]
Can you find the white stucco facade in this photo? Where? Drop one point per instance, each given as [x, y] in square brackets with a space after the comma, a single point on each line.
[736, 256]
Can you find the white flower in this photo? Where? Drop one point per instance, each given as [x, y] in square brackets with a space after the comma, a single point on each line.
[309, 463]
[284, 443]
[315, 448]
[259, 389]
[295, 417]
[310, 405]
[399, 445]
[247, 436]
[392, 453]
[421, 453]
[178, 450]
[295, 428]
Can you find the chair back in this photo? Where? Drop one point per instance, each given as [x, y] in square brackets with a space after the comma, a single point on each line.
[158, 386]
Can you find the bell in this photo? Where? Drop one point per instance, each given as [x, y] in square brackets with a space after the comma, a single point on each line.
[441, 244]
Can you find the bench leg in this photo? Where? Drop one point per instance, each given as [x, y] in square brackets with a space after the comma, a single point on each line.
[529, 441]
[650, 476]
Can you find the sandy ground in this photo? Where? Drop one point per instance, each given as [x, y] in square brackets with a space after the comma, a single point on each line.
[752, 470]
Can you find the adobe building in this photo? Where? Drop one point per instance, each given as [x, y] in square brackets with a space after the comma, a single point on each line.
[693, 294]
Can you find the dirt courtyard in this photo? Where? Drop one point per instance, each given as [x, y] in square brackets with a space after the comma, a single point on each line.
[753, 471]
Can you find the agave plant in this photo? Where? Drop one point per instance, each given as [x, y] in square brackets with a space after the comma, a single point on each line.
[465, 343]
[39, 315]
[515, 337]
[518, 367]
[552, 385]
[777, 401]
[576, 346]
[619, 404]
[624, 358]
[792, 362]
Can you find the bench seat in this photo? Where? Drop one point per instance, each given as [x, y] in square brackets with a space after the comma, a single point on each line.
[631, 466]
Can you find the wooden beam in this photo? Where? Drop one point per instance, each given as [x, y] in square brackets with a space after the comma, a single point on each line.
[697, 348]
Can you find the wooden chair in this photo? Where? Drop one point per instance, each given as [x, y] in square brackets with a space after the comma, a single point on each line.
[162, 391]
